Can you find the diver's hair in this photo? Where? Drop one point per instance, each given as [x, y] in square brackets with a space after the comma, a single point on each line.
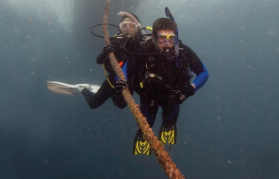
[163, 24]
[123, 17]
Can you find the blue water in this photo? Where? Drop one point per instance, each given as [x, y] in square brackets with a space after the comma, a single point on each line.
[228, 130]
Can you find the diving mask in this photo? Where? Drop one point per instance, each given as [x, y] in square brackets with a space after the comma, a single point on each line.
[127, 25]
[163, 38]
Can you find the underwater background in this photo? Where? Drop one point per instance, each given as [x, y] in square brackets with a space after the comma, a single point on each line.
[229, 129]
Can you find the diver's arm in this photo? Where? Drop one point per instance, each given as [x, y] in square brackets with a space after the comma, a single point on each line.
[179, 96]
[197, 67]
[102, 58]
[201, 78]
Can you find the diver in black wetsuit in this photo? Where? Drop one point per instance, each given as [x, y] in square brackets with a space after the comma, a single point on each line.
[129, 26]
[162, 80]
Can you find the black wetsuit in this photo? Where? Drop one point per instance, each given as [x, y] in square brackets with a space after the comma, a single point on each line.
[106, 91]
[154, 75]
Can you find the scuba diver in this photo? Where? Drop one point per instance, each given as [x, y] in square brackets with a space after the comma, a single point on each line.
[160, 72]
[96, 95]
[129, 26]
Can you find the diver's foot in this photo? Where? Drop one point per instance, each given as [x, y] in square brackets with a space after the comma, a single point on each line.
[141, 146]
[167, 133]
[82, 87]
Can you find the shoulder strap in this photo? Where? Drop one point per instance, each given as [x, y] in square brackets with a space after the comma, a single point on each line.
[183, 75]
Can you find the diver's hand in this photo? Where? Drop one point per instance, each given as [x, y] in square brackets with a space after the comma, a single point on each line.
[174, 96]
[189, 90]
[119, 86]
[103, 57]
[178, 96]
[108, 49]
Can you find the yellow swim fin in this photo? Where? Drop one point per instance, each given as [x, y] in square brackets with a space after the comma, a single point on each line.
[141, 146]
[168, 134]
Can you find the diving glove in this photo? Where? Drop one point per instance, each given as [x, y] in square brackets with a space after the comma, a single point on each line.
[108, 49]
[119, 86]
[103, 57]
[178, 96]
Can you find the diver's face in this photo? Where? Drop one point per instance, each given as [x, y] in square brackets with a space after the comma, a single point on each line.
[128, 27]
[165, 38]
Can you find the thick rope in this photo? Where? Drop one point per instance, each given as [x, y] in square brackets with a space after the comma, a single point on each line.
[164, 159]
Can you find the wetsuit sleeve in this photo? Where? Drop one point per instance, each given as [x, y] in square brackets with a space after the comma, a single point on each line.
[201, 78]
[102, 58]
[197, 67]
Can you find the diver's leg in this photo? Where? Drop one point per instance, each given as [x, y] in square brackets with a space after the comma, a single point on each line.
[119, 100]
[170, 113]
[149, 110]
[168, 132]
[95, 100]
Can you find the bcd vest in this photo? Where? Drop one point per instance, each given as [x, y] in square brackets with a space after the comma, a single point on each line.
[159, 74]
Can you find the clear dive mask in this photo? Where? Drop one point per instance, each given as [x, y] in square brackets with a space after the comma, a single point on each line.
[127, 25]
[165, 38]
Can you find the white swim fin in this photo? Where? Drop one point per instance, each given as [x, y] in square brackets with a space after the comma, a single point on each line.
[67, 89]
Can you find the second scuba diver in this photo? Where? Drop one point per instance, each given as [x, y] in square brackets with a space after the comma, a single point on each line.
[129, 27]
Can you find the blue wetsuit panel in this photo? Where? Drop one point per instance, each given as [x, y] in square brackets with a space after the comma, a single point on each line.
[124, 69]
[201, 78]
